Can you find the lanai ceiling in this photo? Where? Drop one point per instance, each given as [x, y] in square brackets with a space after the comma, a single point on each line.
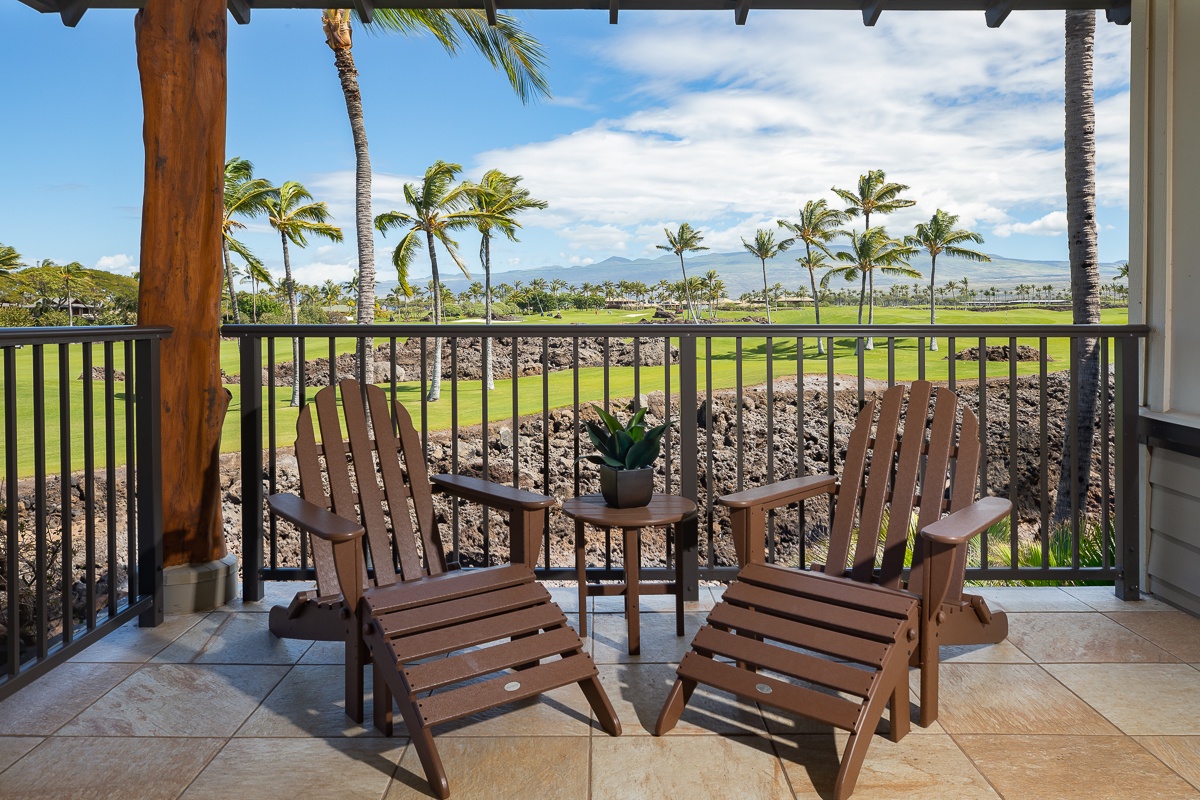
[994, 11]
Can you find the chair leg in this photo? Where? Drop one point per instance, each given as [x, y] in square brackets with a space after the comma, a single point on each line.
[355, 660]
[598, 699]
[852, 761]
[381, 704]
[422, 741]
[672, 709]
[929, 678]
[900, 723]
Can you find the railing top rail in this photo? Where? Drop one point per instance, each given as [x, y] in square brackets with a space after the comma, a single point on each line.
[10, 337]
[629, 329]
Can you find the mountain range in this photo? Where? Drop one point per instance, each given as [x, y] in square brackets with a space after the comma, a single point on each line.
[742, 272]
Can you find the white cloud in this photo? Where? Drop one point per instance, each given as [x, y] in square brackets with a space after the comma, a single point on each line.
[1053, 224]
[120, 263]
[739, 125]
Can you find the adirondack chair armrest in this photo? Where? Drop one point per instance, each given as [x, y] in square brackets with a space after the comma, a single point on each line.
[941, 541]
[526, 511]
[780, 493]
[315, 520]
[492, 495]
[967, 523]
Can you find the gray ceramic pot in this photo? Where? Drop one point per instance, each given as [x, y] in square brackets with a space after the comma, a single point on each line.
[626, 488]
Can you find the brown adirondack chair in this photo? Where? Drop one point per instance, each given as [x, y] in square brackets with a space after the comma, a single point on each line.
[405, 617]
[872, 622]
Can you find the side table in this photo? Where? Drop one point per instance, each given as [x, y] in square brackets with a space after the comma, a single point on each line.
[678, 513]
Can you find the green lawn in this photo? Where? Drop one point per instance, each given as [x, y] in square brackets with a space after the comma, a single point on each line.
[725, 364]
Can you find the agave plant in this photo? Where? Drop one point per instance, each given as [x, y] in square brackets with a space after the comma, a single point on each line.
[630, 446]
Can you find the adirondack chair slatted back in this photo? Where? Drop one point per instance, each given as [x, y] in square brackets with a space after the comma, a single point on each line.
[345, 462]
[905, 468]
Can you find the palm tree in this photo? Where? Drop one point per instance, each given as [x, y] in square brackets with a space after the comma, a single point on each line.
[874, 196]
[70, 274]
[257, 273]
[505, 45]
[1080, 152]
[763, 247]
[873, 250]
[498, 198]
[331, 293]
[10, 259]
[817, 227]
[686, 240]
[438, 207]
[245, 196]
[940, 236]
[292, 211]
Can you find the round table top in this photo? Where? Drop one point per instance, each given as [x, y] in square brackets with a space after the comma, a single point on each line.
[664, 509]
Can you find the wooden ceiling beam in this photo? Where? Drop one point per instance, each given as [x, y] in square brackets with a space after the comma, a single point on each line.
[614, 7]
[871, 11]
[998, 11]
[240, 9]
[72, 11]
[1121, 13]
[490, 7]
[365, 9]
[741, 12]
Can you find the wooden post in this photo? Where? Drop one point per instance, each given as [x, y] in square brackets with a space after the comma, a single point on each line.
[181, 60]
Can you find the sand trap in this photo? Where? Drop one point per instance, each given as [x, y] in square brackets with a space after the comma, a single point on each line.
[638, 314]
[494, 322]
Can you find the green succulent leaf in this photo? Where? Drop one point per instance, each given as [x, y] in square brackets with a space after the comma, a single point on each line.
[636, 422]
[624, 442]
[612, 422]
[642, 454]
[601, 440]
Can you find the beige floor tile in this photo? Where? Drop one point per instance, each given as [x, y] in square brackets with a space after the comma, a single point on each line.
[187, 646]
[560, 712]
[649, 604]
[245, 639]
[87, 768]
[311, 701]
[275, 593]
[1145, 699]
[1072, 767]
[48, 703]
[1075, 638]
[1180, 753]
[567, 598]
[179, 700]
[917, 766]
[1000, 653]
[637, 692]
[1028, 598]
[1103, 598]
[286, 769]
[324, 653]
[692, 767]
[132, 644]
[13, 747]
[497, 768]
[1009, 698]
[1174, 631]
[660, 644]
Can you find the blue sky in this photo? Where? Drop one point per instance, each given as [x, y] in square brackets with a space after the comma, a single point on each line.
[665, 118]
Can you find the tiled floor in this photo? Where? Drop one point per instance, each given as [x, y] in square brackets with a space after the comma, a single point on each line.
[1088, 698]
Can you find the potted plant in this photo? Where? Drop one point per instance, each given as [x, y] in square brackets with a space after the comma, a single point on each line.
[626, 455]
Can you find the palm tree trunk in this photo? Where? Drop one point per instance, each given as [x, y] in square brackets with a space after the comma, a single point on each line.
[70, 315]
[862, 301]
[766, 292]
[870, 345]
[344, 61]
[229, 282]
[487, 309]
[932, 302]
[435, 380]
[687, 292]
[291, 293]
[1080, 150]
[254, 299]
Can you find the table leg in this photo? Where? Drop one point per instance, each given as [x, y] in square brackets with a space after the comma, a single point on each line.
[632, 579]
[581, 575]
[676, 533]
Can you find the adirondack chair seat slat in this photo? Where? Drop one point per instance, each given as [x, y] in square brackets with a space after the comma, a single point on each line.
[476, 663]
[822, 640]
[417, 604]
[460, 610]
[818, 586]
[447, 586]
[801, 666]
[478, 632]
[918, 464]
[822, 707]
[448, 705]
[813, 612]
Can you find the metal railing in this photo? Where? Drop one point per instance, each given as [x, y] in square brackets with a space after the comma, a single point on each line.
[75, 565]
[734, 421]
